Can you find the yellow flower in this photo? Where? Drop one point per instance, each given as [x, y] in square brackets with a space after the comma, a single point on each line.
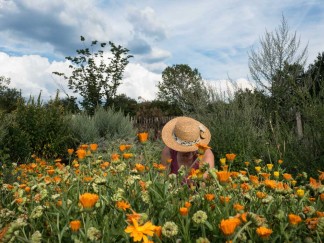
[263, 232]
[228, 226]
[294, 219]
[222, 161]
[276, 174]
[140, 232]
[88, 200]
[300, 192]
[257, 168]
[142, 137]
[269, 166]
[75, 225]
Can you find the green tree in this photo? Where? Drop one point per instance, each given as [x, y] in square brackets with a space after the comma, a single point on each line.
[315, 73]
[9, 97]
[278, 49]
[96, 75]
[182, 86]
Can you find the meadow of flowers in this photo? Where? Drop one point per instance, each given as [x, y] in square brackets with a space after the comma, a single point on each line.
[123, 194]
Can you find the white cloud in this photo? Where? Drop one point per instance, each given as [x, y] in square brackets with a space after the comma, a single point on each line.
[138, 81]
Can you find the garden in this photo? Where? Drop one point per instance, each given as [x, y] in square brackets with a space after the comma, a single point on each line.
[123, 194]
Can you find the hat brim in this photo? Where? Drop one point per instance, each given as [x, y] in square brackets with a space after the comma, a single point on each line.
[168, 139]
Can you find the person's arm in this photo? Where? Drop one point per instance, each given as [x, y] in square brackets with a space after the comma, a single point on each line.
[209, 158]
[165, 155]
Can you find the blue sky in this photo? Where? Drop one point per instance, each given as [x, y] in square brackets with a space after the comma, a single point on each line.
[210, 35]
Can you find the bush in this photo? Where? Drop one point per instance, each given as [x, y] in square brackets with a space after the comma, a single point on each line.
[104, 125]
[35, 128]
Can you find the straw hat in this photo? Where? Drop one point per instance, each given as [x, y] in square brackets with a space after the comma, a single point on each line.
[183, 133]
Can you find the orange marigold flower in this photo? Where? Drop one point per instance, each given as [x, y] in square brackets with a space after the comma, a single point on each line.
[84, 146]
[228, 226]
[187, 204]
[183, 211]
[88, 200]
[254, 179]
[202, 148]
[114, 157]
[140, 232]
[230, 157]
[123, 205]
[70, 151]
[245, 187]
[223, 176]
[321, 175]
[261, 195]
[142, 137]
[238, 207]
[122, 147]
[50, 172]
[81, 153]
[59, 203]
[27, 189]
[319, 214]
[264, 232]
[127, 155]
[287, 176]
[19, 200]
[75, 225]
[158, 231]
[270, 184]
[87, 179]
[93, 147]
[313, 183]
[133, 215]
[209, 196]
[247, 163]
[234, 174]
[224, 199]
[265, 175]
[280, 161]
[322, 197]
[139, 167]
[294, 219]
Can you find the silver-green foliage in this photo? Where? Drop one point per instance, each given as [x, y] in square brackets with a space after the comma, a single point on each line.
[112, 124]
[103, 125]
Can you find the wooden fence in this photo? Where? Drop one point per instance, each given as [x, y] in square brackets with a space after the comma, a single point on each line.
[151, 124]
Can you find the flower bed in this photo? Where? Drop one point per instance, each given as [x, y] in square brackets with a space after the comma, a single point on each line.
[126, 195]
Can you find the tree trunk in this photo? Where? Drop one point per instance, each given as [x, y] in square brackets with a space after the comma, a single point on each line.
[299, 125]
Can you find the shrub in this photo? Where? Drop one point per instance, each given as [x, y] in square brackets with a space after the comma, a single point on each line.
[39, 129]
[104, 125]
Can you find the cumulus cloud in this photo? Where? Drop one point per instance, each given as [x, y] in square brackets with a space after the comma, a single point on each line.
[212, 36]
